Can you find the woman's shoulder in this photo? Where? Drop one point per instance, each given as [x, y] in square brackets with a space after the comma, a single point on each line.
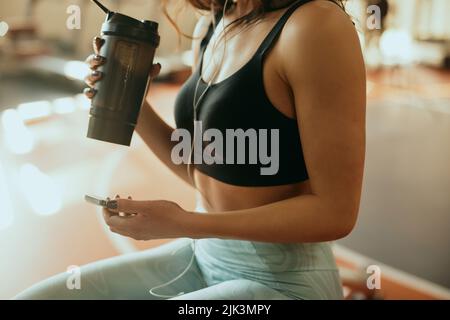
[319, 15]
[319, 37]
[316, 22]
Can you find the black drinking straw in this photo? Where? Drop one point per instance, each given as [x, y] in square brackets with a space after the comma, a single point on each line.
[105, 9]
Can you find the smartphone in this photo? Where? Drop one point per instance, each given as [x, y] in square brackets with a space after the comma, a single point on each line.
[97, 201]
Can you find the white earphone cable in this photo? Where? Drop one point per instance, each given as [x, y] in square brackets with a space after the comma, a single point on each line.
[152, 290]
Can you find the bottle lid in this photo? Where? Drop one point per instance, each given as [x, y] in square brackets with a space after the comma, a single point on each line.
[123, 25]
[151, 24]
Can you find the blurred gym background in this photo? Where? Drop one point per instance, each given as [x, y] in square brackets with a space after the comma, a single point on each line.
[47, 164]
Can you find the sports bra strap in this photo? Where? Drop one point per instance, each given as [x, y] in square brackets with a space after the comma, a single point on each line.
[275, 32]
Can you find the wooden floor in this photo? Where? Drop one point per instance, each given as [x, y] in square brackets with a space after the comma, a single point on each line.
[34, 246]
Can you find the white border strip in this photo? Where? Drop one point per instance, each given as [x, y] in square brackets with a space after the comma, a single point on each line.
[396, 275]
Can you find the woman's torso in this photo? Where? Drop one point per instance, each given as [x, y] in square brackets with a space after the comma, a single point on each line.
[217, 195]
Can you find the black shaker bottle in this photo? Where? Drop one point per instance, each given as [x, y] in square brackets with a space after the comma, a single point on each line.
[129, 49]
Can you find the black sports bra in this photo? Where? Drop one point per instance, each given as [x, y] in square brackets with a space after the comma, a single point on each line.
[244, 139]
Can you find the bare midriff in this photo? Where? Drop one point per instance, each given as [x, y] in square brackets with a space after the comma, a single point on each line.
[217, 196]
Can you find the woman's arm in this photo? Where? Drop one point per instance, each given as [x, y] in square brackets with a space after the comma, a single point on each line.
[320, 59]
[156, 134]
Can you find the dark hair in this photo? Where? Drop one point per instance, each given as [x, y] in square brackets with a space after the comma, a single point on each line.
[261, 7]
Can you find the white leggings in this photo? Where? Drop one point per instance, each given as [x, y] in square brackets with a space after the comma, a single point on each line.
[131, 276]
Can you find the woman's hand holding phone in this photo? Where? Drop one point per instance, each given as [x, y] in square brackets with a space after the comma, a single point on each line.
[147, 220]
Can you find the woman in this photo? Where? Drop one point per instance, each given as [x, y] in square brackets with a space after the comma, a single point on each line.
[299, 73]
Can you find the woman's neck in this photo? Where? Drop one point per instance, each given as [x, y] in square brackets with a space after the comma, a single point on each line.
[242, 8]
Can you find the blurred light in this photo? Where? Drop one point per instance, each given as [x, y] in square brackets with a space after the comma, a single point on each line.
[188, 58]
[82, 101]
[41, 192]
[6, 210]
[397, 46]
[369, 86]
[4, 27]
[76, 70]
[372, 55]
[18, 137]
[64, 105]
[34, 110]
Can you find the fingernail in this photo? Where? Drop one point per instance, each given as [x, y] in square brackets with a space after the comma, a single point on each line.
[89, 91]
[98, 58]
[112, 204]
